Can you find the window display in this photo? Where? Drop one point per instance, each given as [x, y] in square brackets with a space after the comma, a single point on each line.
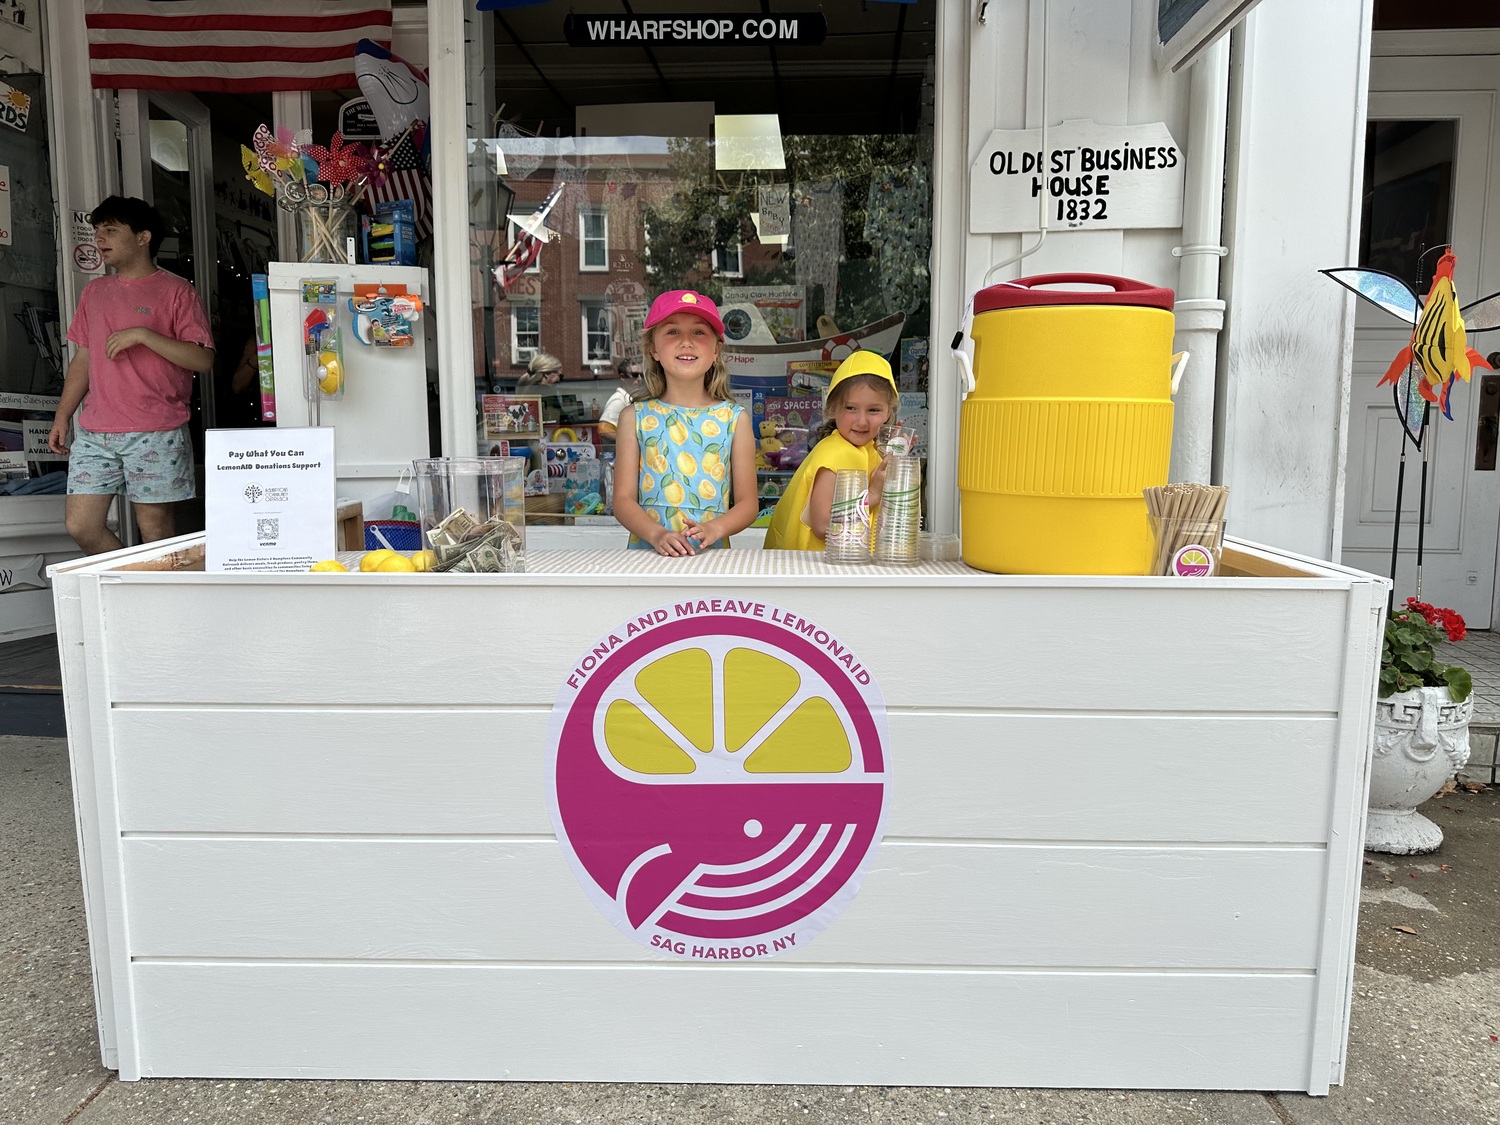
[789, 184]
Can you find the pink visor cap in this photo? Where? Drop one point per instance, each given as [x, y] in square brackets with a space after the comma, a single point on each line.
[686, 301]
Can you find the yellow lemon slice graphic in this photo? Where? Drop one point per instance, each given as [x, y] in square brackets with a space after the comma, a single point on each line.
[740, 708]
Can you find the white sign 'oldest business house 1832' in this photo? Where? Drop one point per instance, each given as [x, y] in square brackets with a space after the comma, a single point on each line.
[1092, 177]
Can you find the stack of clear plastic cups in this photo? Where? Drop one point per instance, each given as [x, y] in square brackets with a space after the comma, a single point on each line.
[848, 538]
[473, 512]
[900, 513]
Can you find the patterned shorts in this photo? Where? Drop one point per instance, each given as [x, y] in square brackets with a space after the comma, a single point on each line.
[155, 467]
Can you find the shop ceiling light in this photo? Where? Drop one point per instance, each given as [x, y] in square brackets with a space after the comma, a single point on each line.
[747, 140]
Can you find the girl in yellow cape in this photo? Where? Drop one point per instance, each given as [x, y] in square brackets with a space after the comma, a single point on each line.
[862, 397]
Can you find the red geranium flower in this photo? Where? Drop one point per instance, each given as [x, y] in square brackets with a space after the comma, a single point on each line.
[1451, 621]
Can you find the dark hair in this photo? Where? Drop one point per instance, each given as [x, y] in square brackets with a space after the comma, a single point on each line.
[839, 393]
[629, 369]
[136, 214]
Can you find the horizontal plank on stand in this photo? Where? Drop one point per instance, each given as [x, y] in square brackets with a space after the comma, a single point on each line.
[418, 771]
[724, 1024]
[1144, 648]
[518, 900]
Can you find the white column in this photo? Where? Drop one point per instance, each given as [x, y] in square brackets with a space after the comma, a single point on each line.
[1199, 312]
[453, 308]
[1297, 116]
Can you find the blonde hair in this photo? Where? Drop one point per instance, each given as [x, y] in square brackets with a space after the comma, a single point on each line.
[839, 393]
[542, 364]
[715, 379]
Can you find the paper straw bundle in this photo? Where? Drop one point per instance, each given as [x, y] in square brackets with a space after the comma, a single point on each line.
[1184, 514]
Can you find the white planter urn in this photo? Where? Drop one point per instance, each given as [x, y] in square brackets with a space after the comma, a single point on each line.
[1421, 740]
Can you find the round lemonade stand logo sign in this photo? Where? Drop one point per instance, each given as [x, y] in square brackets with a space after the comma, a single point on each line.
[718, 777]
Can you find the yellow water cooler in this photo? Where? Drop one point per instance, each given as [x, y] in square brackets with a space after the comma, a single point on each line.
[1070, 418]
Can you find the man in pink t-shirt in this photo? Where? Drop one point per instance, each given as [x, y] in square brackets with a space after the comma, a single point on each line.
[140, 335]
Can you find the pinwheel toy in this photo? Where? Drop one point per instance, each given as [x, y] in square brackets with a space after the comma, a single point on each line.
[1423, 373]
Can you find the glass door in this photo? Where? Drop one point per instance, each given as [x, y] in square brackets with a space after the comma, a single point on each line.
[166, 158]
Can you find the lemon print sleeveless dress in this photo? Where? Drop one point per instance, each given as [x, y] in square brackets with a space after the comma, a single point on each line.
[684, 463]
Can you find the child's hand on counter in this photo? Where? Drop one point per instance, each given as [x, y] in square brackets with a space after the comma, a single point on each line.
[674, 544]
[704, 534]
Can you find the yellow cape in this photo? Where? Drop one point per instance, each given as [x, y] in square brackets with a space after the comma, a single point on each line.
[788, 531]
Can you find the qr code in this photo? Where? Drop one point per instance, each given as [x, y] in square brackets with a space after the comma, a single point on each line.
[267, 530]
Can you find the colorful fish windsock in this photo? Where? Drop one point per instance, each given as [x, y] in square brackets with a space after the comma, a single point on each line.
[1439, 353]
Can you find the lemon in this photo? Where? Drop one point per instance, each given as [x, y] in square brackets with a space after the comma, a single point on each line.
[649, 423]
[717, 472]
[327, 565]
[673, 493]
[723, 413]
[707, 490]
[677, 432]
[396, 563]
[424, 560]
[687, 464]
[693, 704]
[373, 559]
[648, 482]
[711, 428]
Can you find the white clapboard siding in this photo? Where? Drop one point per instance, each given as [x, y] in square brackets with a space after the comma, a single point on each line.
[1121, 847]
[517, 900]
[352, 641]
[727, 1024]
[1044, 777]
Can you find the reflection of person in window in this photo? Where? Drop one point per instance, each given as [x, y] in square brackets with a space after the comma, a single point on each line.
[631, 387]
[543, 370]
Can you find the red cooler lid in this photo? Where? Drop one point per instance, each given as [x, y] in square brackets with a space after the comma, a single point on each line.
[1024, 292]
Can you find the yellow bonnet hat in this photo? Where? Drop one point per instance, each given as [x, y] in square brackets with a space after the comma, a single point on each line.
[864, 363]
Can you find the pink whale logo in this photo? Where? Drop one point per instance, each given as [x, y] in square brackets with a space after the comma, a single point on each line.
[694, 833]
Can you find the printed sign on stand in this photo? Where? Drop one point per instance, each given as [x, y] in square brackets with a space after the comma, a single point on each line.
[4, 205]
[717, 777]
[270, 498]
[1092, 177]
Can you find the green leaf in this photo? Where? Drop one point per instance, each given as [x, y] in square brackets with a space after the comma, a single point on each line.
[1459, 682]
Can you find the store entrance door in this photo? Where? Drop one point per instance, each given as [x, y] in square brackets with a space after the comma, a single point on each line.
[1431, 174]
[166, 158]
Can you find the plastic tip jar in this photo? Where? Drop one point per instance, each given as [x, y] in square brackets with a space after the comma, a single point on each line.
[473, 513]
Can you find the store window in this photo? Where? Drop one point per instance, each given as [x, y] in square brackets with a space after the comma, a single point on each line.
[32, 353]
[790, 181]
[593, 238]
[1408, 197]
[525, 331]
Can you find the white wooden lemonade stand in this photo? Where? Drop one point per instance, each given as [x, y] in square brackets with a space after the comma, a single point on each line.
[1120, 841]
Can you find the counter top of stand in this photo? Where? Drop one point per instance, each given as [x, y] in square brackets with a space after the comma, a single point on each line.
[1245, 566]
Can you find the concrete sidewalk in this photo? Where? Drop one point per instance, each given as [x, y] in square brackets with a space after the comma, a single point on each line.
[1423, 1045]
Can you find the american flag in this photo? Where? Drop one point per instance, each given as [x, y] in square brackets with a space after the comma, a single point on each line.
[400, 164]
[230, 46]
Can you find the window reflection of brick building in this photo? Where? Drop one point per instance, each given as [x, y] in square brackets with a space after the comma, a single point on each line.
[584, 299]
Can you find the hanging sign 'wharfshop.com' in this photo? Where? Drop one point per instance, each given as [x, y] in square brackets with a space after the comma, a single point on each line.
[697, 29]
[1092, 177]
[718, 777]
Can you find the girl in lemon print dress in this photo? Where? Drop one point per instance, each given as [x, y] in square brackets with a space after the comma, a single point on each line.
[685, 446]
